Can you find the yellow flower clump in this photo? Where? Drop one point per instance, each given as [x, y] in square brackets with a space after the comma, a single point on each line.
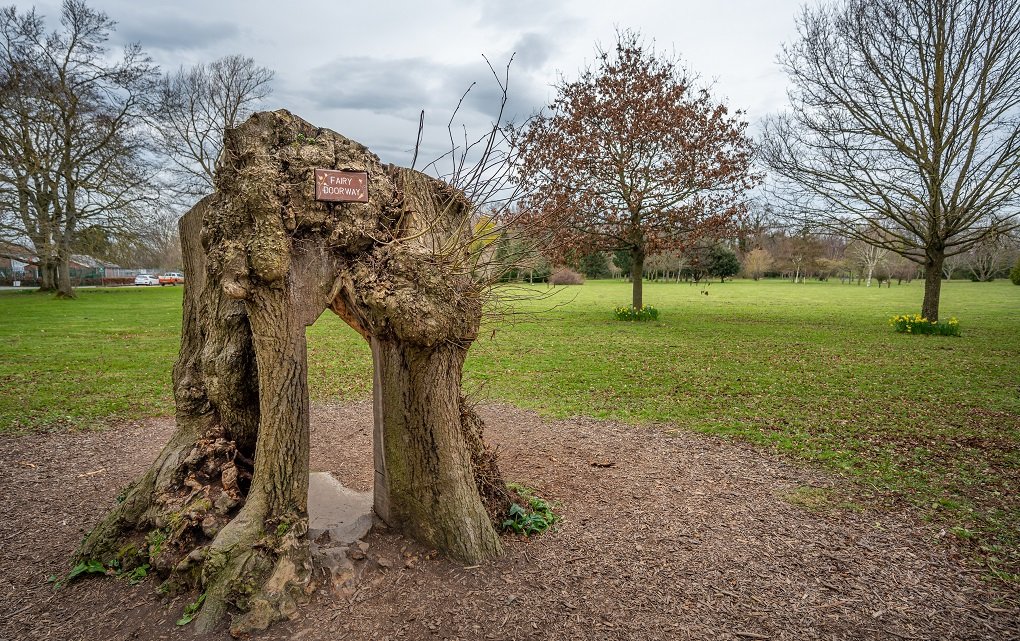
[918, 324]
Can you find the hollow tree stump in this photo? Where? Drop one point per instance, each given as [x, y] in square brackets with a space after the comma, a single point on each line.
[223, 509]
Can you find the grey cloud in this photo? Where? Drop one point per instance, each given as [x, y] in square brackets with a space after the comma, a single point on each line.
[402, 87]
[532, 50]
[174, 33]
[519, 14]
[172, 27]
[381, 86]
[523, 98]
[348, 88]
[526, 93]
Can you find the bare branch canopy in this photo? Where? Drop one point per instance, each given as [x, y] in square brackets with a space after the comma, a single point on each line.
[904, 127]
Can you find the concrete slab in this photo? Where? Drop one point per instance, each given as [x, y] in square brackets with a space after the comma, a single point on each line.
[339, 510]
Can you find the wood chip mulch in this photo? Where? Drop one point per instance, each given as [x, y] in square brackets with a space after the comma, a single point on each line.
[664, 536]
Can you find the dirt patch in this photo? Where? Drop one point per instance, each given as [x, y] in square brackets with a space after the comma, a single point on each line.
[663, 537]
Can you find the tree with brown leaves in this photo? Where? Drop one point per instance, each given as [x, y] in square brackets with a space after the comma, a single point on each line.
[633, 156]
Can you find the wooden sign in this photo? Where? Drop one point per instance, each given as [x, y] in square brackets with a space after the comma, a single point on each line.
[341, 186]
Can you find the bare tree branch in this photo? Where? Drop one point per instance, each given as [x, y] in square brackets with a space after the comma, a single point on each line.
[194, 106]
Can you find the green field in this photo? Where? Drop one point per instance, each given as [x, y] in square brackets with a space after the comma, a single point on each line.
[811, 369]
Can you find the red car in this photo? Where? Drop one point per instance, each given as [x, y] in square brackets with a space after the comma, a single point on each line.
[171, 278]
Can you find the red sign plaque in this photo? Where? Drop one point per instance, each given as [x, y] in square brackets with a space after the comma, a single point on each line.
[341, 186]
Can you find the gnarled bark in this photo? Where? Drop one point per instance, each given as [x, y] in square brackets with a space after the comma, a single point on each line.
[214, 396]
[224, 508]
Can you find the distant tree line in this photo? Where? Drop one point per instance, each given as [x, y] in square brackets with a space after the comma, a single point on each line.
[774, 249]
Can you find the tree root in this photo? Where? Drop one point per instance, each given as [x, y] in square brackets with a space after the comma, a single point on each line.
[191, 519]
[128, 525]
[194, 527]
[198, 531]
[263, 576]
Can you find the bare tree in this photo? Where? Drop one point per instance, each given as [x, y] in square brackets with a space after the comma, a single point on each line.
[904, 120]
[757, 262]
[798, 254]
[758, 224]
[74, 150]
[634, 157]
[868, 255]
[902, 269]
[988, 258]
[951, 264]
[660, 265]
[195, 106]
[29, 155]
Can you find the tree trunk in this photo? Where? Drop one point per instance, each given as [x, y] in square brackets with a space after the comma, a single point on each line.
[277, 503]
[200, 478]
[47, 275]
[637, 270]
[867, 281]
[434, 492]
[932, 284]
[64, 287]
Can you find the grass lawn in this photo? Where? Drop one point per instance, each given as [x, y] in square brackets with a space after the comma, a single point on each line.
[106, 355]
[811, 369]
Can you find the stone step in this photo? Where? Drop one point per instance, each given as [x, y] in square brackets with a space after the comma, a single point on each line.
[334, 508]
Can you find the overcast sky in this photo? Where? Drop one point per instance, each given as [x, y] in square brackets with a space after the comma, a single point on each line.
[367, 68]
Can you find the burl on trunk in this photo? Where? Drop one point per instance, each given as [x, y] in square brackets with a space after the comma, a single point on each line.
[223, 509]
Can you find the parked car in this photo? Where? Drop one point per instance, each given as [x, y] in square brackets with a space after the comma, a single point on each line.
[146, 279]
[171, 278]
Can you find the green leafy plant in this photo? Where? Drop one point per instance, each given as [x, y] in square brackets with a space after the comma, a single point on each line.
[191, 610]
[917, 324]
[155, 540]
[138, 575]
[1014, 274]
[88, 566]
[92, 566]
[536, 518]
[631, 313]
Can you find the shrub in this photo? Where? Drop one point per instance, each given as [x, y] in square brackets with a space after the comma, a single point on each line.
[566, 276]
[722, 262]
[631, 313]
[114, 281]
[917, 324]
[536, 518]
[1014, 275]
